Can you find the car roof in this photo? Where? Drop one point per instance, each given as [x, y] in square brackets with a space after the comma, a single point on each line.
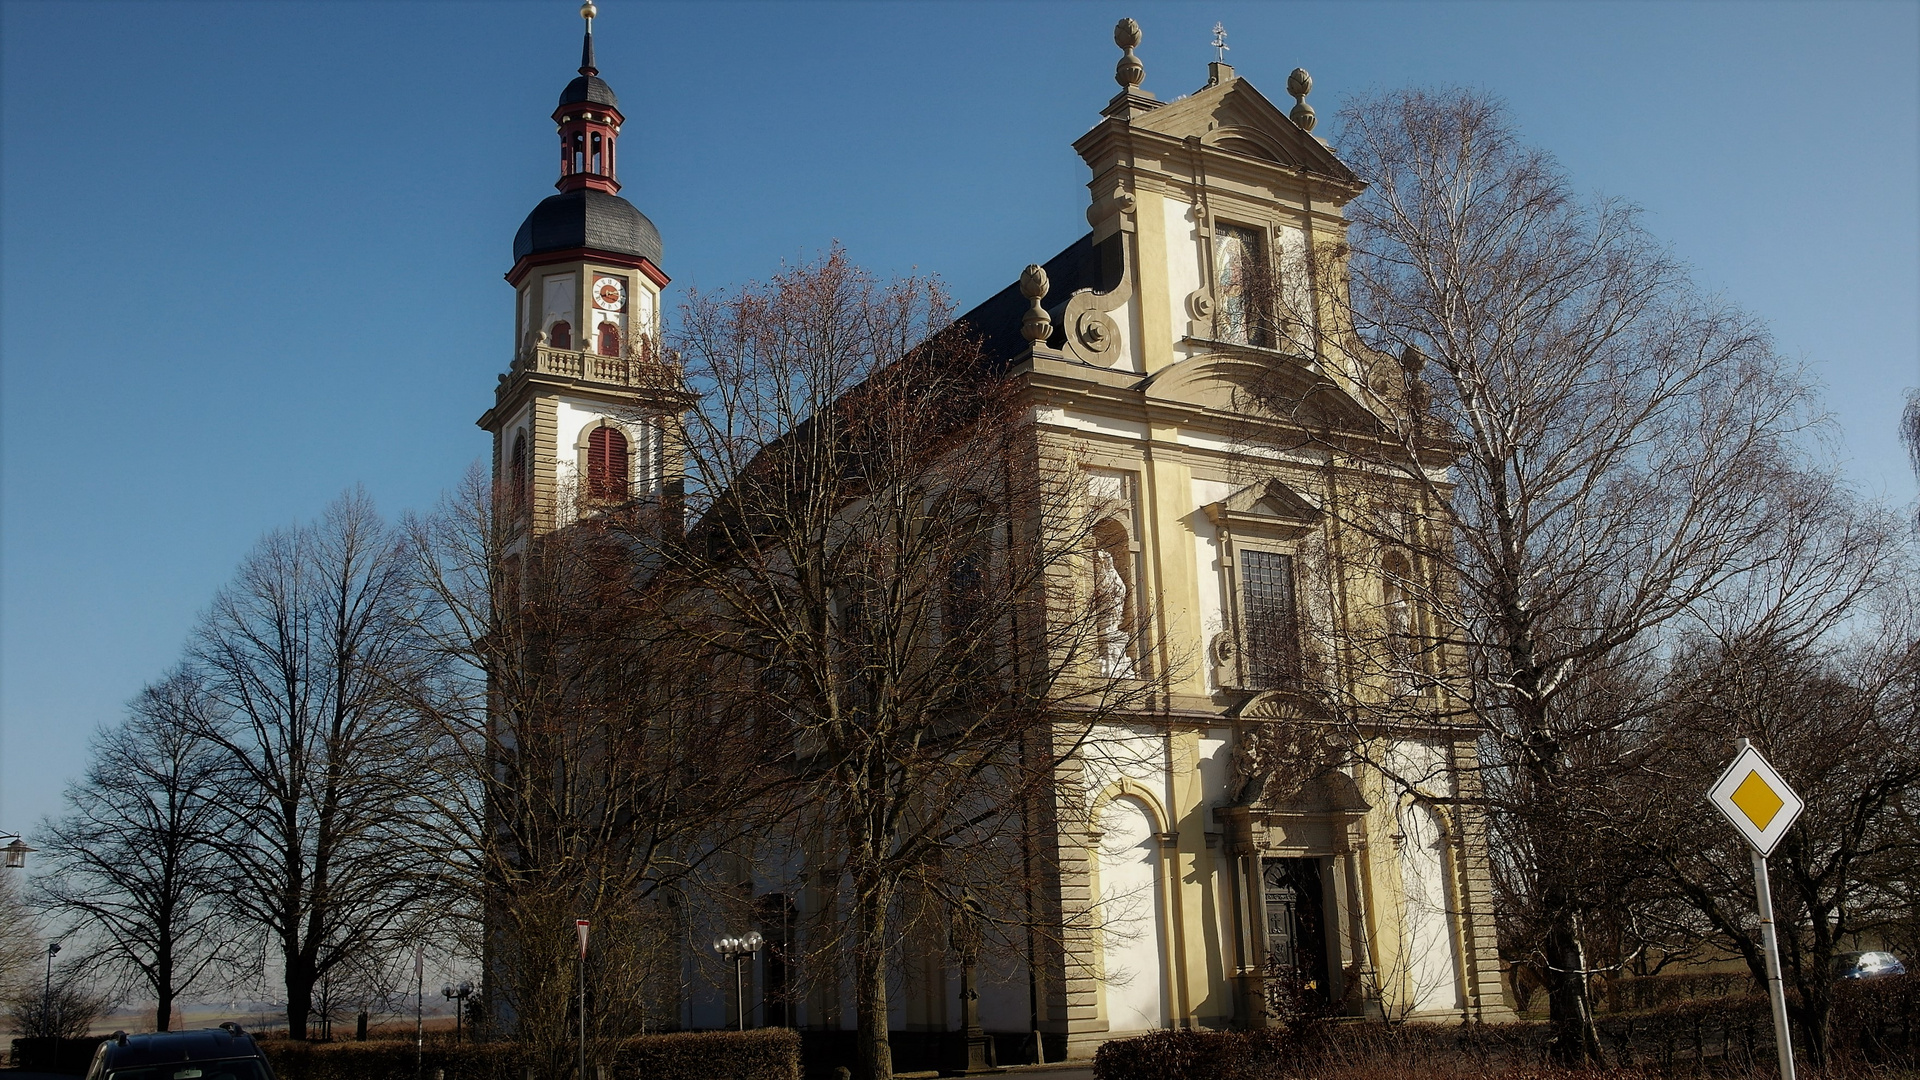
[163, 1047]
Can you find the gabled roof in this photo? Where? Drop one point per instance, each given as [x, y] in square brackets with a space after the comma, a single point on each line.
[996, 320]
[1235, 117]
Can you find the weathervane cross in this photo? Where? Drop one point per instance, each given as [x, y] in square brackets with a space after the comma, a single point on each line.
[1220, 41]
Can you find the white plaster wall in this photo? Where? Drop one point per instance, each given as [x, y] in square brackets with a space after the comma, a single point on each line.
[1428, 952]
[561, 301]
[1201, 440]
[1098, 425]
[1131, 921]
[1206, 567]
[1127, 327]
[1294, 280]
[1215, 754]
[1184, 270]
[1137, 752]
[646, 308]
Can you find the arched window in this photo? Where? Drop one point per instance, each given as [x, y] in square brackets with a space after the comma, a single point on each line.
[596, 152]
[517, 475]
[579, 151]
[609, 339]
[607, 468]
[560, 335]
[609, 155]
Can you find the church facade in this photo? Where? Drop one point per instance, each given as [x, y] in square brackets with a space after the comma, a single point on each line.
[1293, 803]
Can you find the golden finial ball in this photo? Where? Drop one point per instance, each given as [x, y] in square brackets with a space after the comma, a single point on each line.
[588, 11]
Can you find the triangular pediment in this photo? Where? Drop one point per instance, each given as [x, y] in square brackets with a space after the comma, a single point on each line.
[1234, 117]
[1267, 505]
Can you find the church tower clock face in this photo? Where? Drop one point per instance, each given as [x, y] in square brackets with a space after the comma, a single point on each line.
[609, 294]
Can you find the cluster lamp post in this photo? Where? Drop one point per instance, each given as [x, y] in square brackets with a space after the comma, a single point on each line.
[739, 950]
[457, 993]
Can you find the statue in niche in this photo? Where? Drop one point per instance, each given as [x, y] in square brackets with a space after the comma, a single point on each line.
[1110, 612]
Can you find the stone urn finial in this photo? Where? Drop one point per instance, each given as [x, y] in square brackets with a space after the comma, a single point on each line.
[1300, 84]
[1037, 326]
[1129, 71]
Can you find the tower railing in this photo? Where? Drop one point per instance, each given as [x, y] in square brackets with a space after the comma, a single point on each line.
[640, 367]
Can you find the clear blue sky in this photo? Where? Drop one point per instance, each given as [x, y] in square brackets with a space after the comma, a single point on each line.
[253, 251]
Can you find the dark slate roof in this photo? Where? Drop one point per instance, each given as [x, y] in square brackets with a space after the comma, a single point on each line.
[996, 321]
[587, 219]
[591, 89]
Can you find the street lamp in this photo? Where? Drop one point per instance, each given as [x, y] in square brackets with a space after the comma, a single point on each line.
[46, 996]
[17, 852]
[451, 993]
[739, 950]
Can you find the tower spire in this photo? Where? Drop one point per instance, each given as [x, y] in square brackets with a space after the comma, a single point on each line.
[587, 67]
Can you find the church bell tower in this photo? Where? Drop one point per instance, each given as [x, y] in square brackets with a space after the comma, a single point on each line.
[579, 420]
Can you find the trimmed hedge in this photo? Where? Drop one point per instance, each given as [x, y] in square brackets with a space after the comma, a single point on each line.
[1878, 1020]
[1874, 1026]
[1194, 1055]
[393, 1059]
[71, 1057]
[765, 1054]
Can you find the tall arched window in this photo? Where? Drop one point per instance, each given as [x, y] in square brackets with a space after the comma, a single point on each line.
[607, 468]
[596, 152]
[517, 476]
[609, 339]
[579, 151]
[560, 335]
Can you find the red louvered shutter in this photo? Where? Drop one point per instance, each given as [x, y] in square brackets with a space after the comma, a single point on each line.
[607, 464]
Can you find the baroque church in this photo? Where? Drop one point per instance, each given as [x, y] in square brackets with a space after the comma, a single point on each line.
[1230, 846]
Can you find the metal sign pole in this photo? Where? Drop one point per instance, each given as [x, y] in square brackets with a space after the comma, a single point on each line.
[1776, 987]
[580, 930]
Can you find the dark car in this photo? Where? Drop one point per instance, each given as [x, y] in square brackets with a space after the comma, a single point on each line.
[222, 1053]
[1867, 965]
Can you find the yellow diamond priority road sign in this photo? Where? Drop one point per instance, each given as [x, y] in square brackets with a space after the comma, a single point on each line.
[1756, 800]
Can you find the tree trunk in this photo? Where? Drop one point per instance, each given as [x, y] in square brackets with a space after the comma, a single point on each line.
[1570, 1011]
[1816, 1013]
[870, 986]
[163, 988]
[299, 996]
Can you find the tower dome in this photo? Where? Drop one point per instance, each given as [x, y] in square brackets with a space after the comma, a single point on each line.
[588, 214]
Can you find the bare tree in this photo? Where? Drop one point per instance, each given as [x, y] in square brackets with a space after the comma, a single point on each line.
[304, 660]
[1580, 445]
[64, 1007]
[1841, 726]
[135, 860]
[590, 767]
[904, 575]
[19, 935]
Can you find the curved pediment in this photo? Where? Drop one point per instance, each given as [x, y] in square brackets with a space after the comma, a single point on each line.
[1260, 384]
